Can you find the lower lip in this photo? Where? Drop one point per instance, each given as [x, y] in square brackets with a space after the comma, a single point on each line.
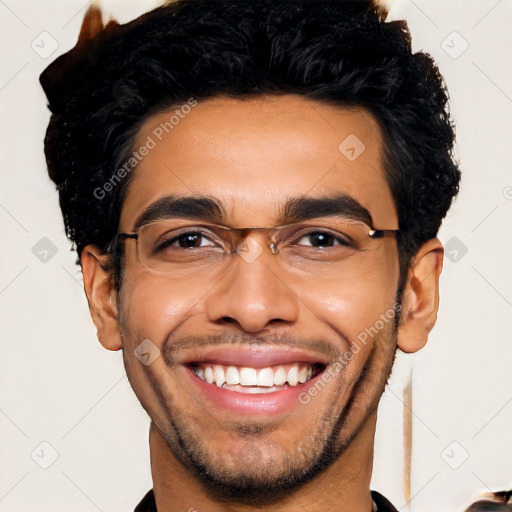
[262, 404]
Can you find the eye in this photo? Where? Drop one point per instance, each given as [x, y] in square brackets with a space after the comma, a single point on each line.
[321, 239]
[186, 240]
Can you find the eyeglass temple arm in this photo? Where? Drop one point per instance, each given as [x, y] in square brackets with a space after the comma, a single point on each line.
[379, 233]
[120, 236]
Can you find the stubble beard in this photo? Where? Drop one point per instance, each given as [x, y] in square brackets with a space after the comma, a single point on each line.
[254, 478]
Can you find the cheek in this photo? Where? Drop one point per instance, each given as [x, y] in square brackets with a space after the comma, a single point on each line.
[353, 306]
[152, 306]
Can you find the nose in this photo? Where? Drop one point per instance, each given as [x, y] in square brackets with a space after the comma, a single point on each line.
[252, 294]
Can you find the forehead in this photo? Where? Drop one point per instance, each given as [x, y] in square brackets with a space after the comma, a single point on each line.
[254, 153]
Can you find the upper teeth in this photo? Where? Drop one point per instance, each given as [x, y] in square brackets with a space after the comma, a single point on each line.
[262, 377]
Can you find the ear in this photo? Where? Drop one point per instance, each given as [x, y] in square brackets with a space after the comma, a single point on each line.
[421, 297]
[101, 296]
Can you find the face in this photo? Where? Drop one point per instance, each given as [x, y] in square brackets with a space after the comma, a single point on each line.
[335, 329]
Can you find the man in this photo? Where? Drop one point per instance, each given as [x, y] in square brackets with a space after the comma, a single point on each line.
[254, 190]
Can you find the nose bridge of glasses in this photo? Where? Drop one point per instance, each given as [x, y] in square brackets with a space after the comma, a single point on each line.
[252, 239]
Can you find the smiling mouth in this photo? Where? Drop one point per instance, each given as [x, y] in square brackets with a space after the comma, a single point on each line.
[245, 379]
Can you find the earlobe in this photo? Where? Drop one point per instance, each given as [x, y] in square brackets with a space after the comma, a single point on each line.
[101, 296]
[421, 297]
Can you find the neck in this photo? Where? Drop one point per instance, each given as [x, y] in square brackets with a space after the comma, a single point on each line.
[343, 486]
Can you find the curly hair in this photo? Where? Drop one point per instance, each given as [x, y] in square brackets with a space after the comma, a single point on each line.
[342, 53]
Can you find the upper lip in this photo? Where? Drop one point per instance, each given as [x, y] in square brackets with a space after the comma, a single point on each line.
[254, 357]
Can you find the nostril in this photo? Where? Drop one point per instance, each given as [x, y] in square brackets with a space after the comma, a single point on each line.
[227, 320]
[277, 321]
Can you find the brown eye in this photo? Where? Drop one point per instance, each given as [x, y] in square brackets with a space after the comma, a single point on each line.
[188, 240]
[321, 239]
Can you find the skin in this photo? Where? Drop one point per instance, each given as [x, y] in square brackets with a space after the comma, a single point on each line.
[252, 154]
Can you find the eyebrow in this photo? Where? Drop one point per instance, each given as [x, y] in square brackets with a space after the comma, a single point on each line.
[193, 207]
[295, 209]
[340, 205]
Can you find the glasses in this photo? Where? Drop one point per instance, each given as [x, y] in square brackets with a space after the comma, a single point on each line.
[174, 246]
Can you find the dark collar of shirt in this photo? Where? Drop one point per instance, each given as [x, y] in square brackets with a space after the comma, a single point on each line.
[148, 503]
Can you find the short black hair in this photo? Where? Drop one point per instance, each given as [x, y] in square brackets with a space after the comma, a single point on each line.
[343, 53]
